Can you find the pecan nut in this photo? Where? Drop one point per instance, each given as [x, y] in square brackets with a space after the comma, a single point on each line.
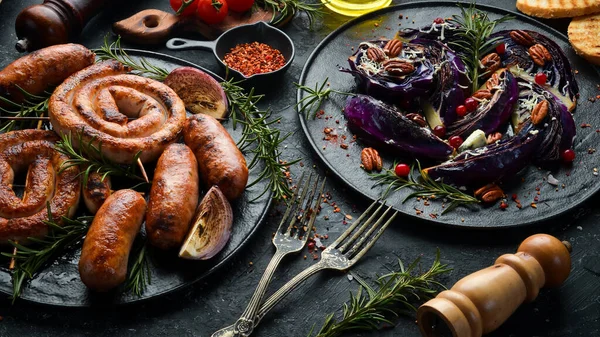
[398, 67]
[371, 160]
[393, 48]
[494, 137]
[493, 82]
[417, 118]
[375, 54]
[482, 94]
[521, 37]
[491, 62]
[539, 112]
[489, 193]
[539, 54]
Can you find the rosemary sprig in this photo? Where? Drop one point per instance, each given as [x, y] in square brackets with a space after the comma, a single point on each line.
[29, 260]
[474, 28]
[32, 106]
[284, 9]
[397, 290]
[113, 51]
[139, 275]
[90, 156]
[424, 186]
[259, 138]
[310, 104]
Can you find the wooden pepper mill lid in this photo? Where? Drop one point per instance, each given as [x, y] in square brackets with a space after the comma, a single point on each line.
[482, 301]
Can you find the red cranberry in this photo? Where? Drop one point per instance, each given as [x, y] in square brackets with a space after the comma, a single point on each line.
[461, 110]
[501, 48]
[440, 131]
[439, 21]
[455, 141]
[541, 78]
[402, 170]
[311, 245]
[568, 155]
[471, 104]
[503, 205]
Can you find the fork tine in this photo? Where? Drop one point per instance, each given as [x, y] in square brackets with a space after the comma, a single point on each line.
[300, 203]
[374, 239]
[315, 209]
[306, 210]
[355, 224]
[365, 236]
[292, 203]
[362, 228]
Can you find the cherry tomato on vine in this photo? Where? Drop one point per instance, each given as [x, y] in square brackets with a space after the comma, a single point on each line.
[240, 5]
[212, 11]
[190, 6]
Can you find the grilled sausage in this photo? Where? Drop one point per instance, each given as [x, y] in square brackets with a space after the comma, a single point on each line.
[43, 69]
[46, 184]
[220, 161]
[105, 252]
[173, 197]
[100, 101]
[96, 191]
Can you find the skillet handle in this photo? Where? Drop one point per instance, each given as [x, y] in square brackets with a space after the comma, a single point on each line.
[181, 44]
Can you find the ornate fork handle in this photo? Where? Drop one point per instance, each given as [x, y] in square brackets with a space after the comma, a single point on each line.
[246, 323]
[272, 301]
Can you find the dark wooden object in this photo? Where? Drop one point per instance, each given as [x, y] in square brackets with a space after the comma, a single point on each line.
[153, 26]
[54, 22]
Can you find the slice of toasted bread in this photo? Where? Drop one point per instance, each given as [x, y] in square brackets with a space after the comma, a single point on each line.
[558, 8]
[584, 34]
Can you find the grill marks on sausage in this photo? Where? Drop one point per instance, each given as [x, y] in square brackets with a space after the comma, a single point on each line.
[34, 149]
[127, 113]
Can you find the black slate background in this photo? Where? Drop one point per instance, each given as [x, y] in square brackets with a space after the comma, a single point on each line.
[572, 310]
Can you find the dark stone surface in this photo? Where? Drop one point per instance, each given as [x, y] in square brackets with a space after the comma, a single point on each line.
[571, 310]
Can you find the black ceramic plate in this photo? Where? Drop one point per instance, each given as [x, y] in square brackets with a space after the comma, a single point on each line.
[59, 283]
[579, 181]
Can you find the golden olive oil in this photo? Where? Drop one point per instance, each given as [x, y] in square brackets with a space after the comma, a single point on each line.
[355, 7]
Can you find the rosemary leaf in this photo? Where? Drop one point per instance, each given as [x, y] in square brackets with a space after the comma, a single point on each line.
[32, 106]
[139, 276]
[259, 138]
[90, 156]
[285, 9]
[29, 260]
[310, 104]
[474, 28]
[424, 186]
[113, 51]
[394, 291]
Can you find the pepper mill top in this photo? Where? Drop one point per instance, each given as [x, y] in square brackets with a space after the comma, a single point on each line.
[54, 22]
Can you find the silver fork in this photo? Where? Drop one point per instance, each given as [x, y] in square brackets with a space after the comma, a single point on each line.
[338, 256]
[287, 240]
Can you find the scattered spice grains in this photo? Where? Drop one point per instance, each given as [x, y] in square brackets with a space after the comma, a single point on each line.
[254, 58]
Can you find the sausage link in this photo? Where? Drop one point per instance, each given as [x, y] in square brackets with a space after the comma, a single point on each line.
[105, 252]
[43, 69]
[96, 191]
[173, 197]
[220, 161]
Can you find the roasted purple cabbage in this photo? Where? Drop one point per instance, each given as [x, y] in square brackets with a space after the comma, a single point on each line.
[384, 125]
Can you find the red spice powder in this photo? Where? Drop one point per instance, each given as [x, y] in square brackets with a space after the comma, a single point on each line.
[254, 58]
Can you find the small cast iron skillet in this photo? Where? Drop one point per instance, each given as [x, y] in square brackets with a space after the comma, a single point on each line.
[256, 32]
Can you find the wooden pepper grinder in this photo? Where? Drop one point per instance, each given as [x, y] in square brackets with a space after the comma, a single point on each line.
[54, 22]
[482, 301]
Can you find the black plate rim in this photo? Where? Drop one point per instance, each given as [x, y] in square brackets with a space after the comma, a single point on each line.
[212, 269]
[409, 5]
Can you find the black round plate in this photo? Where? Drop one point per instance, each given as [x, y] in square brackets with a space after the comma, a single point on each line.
[580, 181]
[59, 284]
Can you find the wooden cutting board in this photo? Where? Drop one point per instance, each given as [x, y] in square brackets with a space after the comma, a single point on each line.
[153, 26]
